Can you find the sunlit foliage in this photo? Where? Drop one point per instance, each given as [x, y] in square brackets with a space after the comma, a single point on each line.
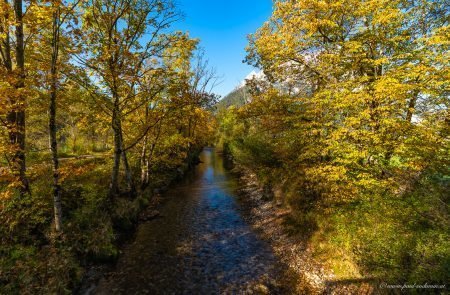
[107, 104]
[352, 122]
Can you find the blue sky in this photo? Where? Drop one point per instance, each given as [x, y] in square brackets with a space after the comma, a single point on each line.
[222, 27]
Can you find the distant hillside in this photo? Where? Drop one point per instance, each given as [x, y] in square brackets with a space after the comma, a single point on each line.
[237, 97]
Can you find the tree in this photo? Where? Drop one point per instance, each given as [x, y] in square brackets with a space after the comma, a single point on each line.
[348, 53]
[59, 18]
[116, 55]
[13, 66]
[352, 117]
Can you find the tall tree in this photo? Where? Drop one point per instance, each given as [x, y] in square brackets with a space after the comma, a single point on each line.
[14, 68]
[60, 14]
[348, 53]
[121, 36]
[354, 111]
[55, 43]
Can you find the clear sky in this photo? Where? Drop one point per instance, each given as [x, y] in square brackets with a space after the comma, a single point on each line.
[222, 27]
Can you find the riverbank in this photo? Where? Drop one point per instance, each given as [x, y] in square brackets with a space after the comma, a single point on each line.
[270, 219]
[97, 271]
[200, 242]
[189, 235]
[149, 201]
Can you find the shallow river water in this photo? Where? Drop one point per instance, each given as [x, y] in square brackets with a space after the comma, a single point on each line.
[200, 244]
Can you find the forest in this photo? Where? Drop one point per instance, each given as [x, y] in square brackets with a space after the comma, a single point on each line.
[105, 105]
[100, 101]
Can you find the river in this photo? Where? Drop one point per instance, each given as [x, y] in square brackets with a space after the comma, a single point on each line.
[200, 244]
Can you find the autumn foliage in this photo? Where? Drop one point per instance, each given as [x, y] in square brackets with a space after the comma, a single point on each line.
[351, 123]
[101, 104]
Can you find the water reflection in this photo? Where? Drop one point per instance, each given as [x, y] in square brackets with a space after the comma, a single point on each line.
[201, 245]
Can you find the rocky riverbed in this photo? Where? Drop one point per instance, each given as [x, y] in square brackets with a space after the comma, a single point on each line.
[197, 242]
[216, 232]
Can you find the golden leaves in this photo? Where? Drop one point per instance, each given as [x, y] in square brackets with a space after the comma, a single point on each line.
[365, 73]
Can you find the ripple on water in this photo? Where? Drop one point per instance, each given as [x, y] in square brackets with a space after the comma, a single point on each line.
[201, 245]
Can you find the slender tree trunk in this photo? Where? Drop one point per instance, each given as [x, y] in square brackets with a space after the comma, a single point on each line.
[52, 121]
[128, 172]
[114, 186]
[150, 155]
[144, 161]
[148, 168]
[16, 115]
[6, 41]
[412, 106]
[144, 164]
[119, 153]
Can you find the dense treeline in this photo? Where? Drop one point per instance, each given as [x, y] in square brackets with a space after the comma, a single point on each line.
[350, 129]
[101, 103]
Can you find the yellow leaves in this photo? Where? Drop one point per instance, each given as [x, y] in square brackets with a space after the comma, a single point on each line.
[389, 82]
[353, 46]
[177, 57]
[350, 137]
[364, 71]
[381, 61]
[328, 172]
[5, 196]
[441, 36]
[332, 181]
[388, 16]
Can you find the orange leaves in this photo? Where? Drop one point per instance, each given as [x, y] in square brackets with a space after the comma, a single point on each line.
[72, 170]
[5, 196]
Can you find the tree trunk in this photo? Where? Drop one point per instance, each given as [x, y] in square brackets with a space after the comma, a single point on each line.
[412, 106]
[52, 122]
[114, 186]
[144, 164]
[150, 154]
[119, 153]
[144, 160]
[16, 115]
[149, 163]
[128, 172]
[6, 41]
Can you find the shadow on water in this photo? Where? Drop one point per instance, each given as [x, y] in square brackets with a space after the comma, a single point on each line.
[200, 245]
